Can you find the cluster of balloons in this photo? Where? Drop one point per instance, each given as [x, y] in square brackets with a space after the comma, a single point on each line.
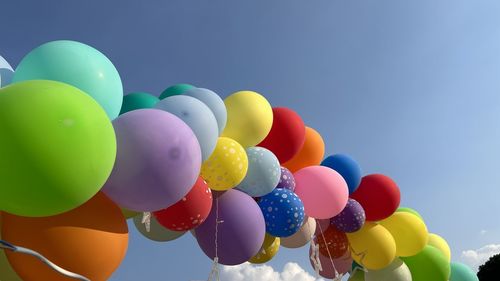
[245, 178]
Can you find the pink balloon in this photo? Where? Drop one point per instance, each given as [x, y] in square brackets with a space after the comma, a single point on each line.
[342, 265]
[322, 190]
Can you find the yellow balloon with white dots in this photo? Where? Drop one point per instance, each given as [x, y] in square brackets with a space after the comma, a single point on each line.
[226, 167]
[268, 250]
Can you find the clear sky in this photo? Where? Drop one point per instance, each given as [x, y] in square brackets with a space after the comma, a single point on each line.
[410, 89]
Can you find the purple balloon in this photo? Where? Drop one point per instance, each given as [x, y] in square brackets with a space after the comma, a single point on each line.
[157, 162]
[287, 181]
[241, 233]
[352, 217]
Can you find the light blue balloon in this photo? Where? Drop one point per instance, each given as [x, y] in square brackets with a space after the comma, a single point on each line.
[76, 64]
[197, 116]
[263, 173]
[461, 272]
[213, 101]
[6, 73]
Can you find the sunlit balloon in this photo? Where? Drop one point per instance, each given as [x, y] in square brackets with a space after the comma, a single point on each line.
[409, 232]
[428, 264]
[301, 237]
[439, 243]
[311, 153]
[174, 90]
[213, 101]
[138, 100]
[396, 271]
[263, 172]
[268, 250]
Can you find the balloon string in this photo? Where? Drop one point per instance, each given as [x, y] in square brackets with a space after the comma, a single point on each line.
[337, 275]
[214, 274]
[314, 253]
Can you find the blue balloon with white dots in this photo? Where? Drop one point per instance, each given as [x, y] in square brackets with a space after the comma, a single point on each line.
[283, 212]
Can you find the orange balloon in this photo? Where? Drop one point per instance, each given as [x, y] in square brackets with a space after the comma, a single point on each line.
[311, 153]
[90, 240]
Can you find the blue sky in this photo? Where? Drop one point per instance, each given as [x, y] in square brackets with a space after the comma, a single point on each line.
[410, 89]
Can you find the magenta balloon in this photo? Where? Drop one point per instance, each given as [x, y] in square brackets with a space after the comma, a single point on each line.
[157, 162]
[342, 265]
[241, 233]
[322, 190]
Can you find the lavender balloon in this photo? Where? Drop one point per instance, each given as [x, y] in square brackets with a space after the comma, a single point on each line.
[157, 162]
[352, 217]
[287, 181]
[241, 233]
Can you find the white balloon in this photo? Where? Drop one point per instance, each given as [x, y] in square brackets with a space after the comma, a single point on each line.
[396, 271]
[6, 72]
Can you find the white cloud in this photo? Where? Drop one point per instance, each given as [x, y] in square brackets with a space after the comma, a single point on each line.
[475, 258]
[249, 272]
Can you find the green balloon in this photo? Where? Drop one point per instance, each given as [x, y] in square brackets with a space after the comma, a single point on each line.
[429, 264]
[138, 100]
[410, 210]
[76, 64]
[6, 271]
[359, 275]
[57, 148]
[175, 90]
[461, 272]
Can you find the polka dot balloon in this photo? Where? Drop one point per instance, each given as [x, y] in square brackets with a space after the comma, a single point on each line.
[352, 217]
[287, 181]
[332, 242]
[263, 172]
[283, 212]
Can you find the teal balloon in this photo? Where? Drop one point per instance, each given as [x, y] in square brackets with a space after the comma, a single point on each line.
[76, 64]
[175, 90]
[461, 272]
[263, 173]
[213, 101]
[6, 72]
[138, 100]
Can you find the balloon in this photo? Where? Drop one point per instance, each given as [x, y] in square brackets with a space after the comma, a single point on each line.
[283, 212]
[310, 154]
[156, 231]
[157, 163]
[6, 72]
[6, 271]
[268, 250]
[76, 64]
[409, 210]
[461, 272]
[197, 116]
[287, 134]
[396, 271]
[352, 217]
[372, 246]
[287, 181]
[342, 265]
[379, 195]
[357, 276]
[429, 264]
[409, 232]
[347, 167]
[213, 101]
[190, 211]
[175, 90]
[263, 172]
[57, 156]
[321, 226]
[227, 166]
[128, 214]
[332, 242]
[249, 118]
[301, 237]
[90, 240]
[439, 243]
[240, 235]
[323, 191]
[138, 100]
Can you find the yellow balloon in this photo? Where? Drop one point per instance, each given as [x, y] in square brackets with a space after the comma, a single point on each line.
[268, 250]
[439, 243]
[409, 232]
[249, 118]
[226, 167]
[372, 246]
[6, 271]
[128, 214]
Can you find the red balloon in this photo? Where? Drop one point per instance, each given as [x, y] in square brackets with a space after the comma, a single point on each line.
[379, 195]
[332, 242]
[190, 211]
[287, 134]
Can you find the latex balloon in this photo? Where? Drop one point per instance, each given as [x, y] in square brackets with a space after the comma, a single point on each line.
[268, 250]
[283, 212]
[76, 64]
[158, 160]
[190, 211]
[175, 90]
[301, 237]
[249, 118]
[263, 172]
[287, 134]
[128, 214]
[379, 195]
[396, 271]
[340, 265]
[409, 210]
[138, 100]
[226, 167]
[56, 157]
[439, 243]
[347, 167]
[372, 246]
[321, 226]
[213, 101]
[90, 240]
[240, 235]
[323, 191]
[287, 181]
[409, 232]
[311, 153]
[429, 264]
[461, 272]
[352, 217]
[156, 231]
[6, 271]
[332, 242]
[357, 276]
[6, 72]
